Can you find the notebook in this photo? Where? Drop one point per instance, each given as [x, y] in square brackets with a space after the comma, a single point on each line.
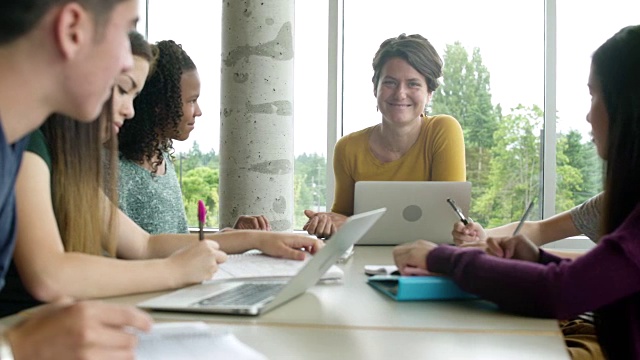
[415, 209]
[254, 297]
[255, 265]
[409, 288]
[191, 340]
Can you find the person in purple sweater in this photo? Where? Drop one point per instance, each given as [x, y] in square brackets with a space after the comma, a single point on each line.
[606, 280]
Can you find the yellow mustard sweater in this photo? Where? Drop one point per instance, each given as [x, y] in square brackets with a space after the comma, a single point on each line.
[437, 155]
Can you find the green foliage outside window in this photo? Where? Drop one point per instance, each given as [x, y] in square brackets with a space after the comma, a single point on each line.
[502, 155]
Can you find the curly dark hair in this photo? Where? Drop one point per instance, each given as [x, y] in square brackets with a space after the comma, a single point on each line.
[158, 108]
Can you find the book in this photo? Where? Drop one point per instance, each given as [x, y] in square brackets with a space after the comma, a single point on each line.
[191, 341]
[408, 288]
[255, 265]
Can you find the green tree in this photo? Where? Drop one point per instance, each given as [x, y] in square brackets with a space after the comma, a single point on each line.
[201, 183]
[466, 95]
[515, 168]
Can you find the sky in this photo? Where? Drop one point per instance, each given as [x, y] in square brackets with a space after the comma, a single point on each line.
[509, 34]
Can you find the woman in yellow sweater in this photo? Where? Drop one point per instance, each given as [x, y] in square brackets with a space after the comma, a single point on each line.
[408, 144]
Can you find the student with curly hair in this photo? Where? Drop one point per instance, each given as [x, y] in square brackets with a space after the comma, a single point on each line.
[166, 110]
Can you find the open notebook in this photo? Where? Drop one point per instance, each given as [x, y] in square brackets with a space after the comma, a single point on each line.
[254, 265]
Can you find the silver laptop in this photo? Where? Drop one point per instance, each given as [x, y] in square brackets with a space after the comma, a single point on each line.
[259, 296]
[415, 209]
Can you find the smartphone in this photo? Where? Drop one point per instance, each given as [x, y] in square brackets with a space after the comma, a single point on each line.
[457, 210]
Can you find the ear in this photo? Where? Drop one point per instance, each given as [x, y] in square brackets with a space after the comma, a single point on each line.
[429, 96]
[72, 28]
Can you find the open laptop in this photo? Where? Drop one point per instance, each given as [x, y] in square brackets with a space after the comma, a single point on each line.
[254, 297]
[415, 209]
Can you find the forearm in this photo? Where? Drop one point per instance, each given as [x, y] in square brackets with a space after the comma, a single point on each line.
[239, 241]
[163, 245]
[530, 229]
[541, 289]
[83, 276]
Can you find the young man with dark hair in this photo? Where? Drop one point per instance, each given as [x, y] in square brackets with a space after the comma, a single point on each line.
[59, 56]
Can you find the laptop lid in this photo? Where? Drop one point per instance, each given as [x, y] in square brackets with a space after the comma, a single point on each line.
[194, 298]
[415, 209]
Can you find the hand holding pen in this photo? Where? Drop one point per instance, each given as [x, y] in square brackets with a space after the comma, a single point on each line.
[202, 215]
[517, 246]
[465, 231]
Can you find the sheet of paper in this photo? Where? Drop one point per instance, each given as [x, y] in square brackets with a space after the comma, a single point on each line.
[256, 265]
[192, 341]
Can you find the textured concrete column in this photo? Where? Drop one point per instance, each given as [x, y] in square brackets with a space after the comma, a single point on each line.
[256, 111]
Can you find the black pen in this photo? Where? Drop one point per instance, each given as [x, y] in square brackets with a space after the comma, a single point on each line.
[458, 211]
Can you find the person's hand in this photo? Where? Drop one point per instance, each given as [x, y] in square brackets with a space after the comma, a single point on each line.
[472, 232]
[83, 330]
[323, 224]
[252, 222]
[289, 246]
[412, 255]
[517, 247]
[195, 263]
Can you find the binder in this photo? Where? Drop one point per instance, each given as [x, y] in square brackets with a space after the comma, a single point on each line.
[412, 288]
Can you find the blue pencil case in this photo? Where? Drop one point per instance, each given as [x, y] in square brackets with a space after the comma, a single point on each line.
[411, 288]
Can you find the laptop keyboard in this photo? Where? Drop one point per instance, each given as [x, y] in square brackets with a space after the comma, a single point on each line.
[243, 295]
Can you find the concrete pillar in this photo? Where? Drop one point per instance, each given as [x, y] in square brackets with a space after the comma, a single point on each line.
[256, 111]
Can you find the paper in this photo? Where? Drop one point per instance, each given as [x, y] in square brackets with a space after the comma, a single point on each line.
[379, 269]
[256, 265]
[191, 341]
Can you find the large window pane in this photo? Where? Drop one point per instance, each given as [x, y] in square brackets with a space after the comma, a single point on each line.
[579, 169]
[494, 84]
[310, 108]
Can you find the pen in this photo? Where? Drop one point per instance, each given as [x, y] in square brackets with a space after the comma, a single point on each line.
[458, 211]
[523, 218]
[202, 213]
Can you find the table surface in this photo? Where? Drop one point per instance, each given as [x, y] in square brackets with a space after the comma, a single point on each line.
[351, 320]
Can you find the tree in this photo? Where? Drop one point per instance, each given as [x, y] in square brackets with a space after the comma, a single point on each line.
[515, 168]
[201, 183]
[466, 95]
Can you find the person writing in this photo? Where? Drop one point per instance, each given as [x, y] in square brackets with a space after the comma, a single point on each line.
[59, 55]
[63, 256]
[408, 144]
[581, 220]
[523, 279]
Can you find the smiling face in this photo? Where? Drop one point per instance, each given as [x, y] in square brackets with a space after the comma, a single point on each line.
[597, 116]
[190, 90]
[402, 92]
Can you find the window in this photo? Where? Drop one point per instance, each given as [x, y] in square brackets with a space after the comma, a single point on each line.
[502, 43]
[498, 98]
[196, 25]
[579, 169]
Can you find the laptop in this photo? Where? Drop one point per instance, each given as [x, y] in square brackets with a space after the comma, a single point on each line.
[415, 209]
[254, 297]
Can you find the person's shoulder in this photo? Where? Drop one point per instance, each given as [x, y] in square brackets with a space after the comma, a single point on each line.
[440, 120]
[39, 145]
[354, 138]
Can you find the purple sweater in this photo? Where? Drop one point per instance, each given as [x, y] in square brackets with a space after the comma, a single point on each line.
[606, 280]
